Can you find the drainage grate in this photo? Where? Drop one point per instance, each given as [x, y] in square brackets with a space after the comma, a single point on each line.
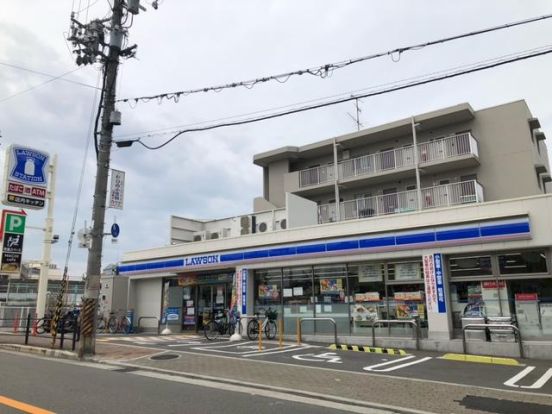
[163, 357]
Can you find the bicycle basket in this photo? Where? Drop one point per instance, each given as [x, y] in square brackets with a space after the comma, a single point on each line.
[272, 315]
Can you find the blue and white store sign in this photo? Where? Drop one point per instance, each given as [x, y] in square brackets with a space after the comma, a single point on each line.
[473, 233]
[26, 177]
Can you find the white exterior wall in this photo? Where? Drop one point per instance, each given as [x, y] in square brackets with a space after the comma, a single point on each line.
[146, 300]
[539, 209]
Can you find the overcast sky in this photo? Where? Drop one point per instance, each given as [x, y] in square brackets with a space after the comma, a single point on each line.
[192, 44]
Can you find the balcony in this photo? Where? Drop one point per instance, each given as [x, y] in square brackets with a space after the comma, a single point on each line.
[316, 175]
[458, 151]
[446, 195]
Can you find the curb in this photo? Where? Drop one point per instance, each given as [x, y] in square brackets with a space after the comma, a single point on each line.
[52, 353]
[372, 349]
[481, 359]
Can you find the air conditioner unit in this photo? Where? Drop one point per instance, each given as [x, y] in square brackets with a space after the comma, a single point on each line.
[201, 235]
[283, 224]
[214, 235]
[262, 227]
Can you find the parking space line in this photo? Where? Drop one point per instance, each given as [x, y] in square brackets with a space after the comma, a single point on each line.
[512, 382]
[291, 348]
[395, 361]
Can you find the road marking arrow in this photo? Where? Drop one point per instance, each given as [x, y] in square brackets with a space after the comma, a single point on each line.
[330, 357]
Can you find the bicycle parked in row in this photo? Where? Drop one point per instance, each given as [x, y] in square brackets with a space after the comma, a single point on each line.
[268, 325]
[224, 323]
[113, 324]
[68, 322]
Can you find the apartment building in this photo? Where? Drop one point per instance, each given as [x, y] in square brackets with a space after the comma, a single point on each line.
[435, 221]
[454, 156]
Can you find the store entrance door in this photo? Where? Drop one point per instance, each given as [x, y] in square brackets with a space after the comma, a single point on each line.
[212, 299]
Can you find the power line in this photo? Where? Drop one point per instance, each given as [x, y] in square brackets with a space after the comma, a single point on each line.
[57, 77]
[327, 69]
[452, 74]
[175, 129]
[38, 85]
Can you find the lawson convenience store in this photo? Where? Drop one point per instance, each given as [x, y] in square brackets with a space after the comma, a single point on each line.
[437, 267]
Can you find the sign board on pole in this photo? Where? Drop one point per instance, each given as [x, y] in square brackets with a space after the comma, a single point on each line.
[117, 189]
[25, 177]
[13, 230]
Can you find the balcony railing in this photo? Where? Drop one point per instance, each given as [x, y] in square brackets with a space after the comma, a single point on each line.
[432, 197]
[375, 163]
[316, 175]
[450, 147]
[432, 151]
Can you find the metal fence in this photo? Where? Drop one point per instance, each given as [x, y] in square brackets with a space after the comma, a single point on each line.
[372, 164]
[432, 197]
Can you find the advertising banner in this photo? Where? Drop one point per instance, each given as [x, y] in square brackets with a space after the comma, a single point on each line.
[244, 276]
[434, 283]
[25, 177]
[117, 189]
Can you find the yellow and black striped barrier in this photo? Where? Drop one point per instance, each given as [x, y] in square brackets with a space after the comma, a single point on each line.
[372, 349]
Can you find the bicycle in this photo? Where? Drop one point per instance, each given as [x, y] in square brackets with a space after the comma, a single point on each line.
[119, 324]
[220, 326]
[268, 325]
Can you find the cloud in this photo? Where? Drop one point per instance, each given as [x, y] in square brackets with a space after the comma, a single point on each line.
[187, 45]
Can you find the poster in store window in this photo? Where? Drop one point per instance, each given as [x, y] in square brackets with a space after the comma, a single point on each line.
[370, 273]
[269, 292]
[407, 271]
[331, 286]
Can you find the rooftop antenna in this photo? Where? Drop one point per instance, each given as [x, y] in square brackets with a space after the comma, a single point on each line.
[356, 118]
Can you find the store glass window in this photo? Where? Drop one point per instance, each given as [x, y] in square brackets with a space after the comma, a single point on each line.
[530, 303]
[268, 290]
[366, 296]
[330, 297]
[470, 266]
[297, 296]
[522, 263]
[476, 300]
[407, 301]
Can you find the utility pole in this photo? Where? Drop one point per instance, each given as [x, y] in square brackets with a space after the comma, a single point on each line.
[89, 43]
[93, 268]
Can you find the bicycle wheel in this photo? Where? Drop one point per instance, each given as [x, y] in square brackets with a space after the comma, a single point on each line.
[101, 325]
[211, 331]
[112, 324]
[253, 329]
[231, 328]
[42, 325]
[270, 329]
[124, 325]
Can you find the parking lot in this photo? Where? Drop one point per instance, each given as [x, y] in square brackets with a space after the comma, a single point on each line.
[505, 374]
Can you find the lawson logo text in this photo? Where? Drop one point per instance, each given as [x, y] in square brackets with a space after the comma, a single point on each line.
[201, 260]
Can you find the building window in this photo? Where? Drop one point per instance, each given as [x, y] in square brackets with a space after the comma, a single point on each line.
[330, 297]
[524, 262]
[404, 271]
[297, 297]
[470, 266]
[268, 290]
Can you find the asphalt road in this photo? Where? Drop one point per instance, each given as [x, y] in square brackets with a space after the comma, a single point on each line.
[66, 387]
[529, 376]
